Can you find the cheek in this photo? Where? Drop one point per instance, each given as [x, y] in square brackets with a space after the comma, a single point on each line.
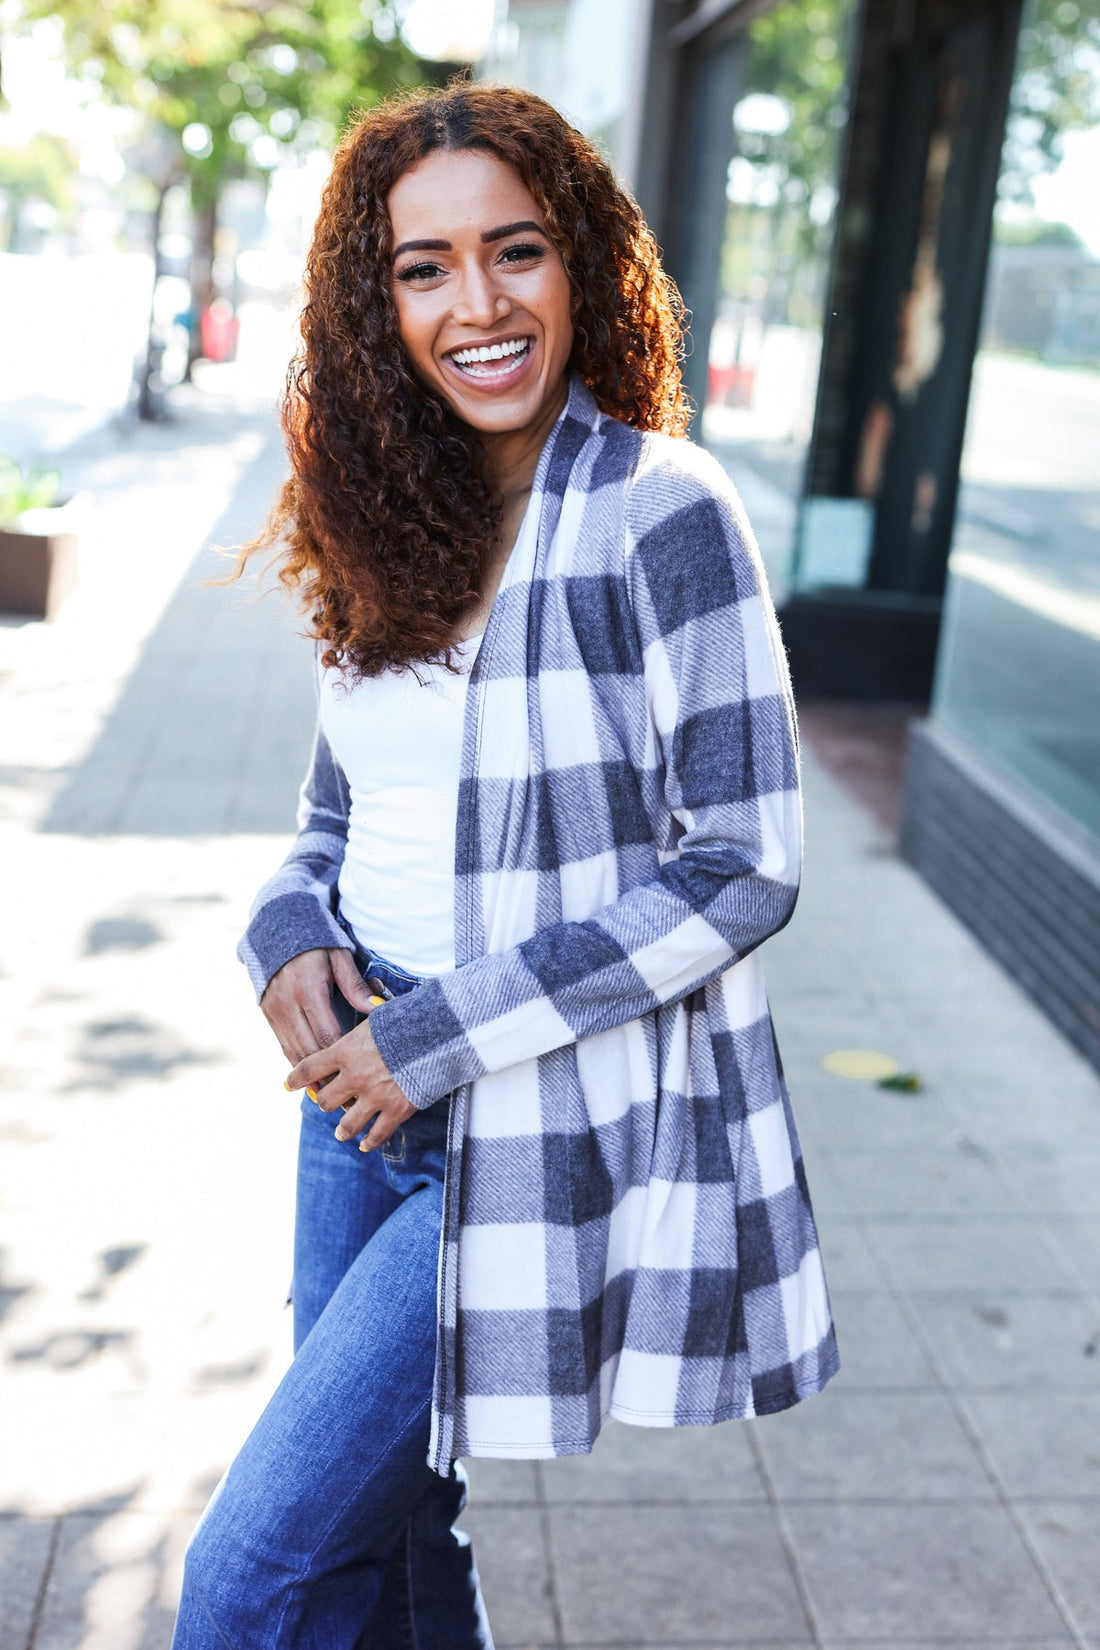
[415, 334]
[562, 306]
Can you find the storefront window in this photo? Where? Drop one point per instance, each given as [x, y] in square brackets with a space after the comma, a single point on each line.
[765, 344]
[1019, 671]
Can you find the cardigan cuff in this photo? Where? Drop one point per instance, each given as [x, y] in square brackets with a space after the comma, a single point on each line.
[424, 1045]
[283, 928]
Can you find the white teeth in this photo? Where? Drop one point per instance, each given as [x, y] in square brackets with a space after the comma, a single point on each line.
[491, 352]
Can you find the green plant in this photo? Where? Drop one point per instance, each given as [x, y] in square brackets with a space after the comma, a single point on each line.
[32, 489]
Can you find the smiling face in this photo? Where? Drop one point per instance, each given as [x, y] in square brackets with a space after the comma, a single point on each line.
[483, 299]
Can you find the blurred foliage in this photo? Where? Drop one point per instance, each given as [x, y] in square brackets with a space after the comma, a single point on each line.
[20, 490]
[1036, 233]
[224, 88]
[1056, 90]
[777, 242]
[231, 81]
[776, 246]
[42, 169]
[799, 53]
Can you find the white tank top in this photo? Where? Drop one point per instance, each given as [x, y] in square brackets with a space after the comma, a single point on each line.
[399, 742]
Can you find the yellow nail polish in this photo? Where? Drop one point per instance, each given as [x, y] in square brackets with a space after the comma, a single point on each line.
[312, 1093]
[287, 1086]
[376, 1002]
[363, 1146]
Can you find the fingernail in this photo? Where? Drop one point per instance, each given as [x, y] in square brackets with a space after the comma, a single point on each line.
[376, 1002]
[340, 1136]
[312, 1093]
[364, 1146]
[287, 1086]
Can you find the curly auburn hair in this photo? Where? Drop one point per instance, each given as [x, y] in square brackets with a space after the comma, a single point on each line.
[387, 519]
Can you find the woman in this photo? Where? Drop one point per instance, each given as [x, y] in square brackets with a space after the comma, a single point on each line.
[548, 1171]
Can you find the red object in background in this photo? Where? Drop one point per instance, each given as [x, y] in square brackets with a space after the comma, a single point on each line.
[730, 385]
[220, 329]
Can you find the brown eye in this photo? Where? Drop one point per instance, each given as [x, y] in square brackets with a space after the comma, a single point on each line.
[523, 253]
[419, 272]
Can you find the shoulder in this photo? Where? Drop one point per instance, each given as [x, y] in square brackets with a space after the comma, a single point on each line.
[674, 476]
[687, 541]
[655, 477]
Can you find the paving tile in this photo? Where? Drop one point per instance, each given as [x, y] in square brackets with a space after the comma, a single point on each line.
[24, 1553]
[115, 1582]
[1065, 1642]
[1033, 1121]
[654, 1464]
[875, 1570]
[673, 1576]
[894, 1446]
[827, 1194]
[952, 1179]
[878, 1349]
[1066, 1534]
[970, 1254]
[1078, 1241]
[495, 1483]
[991, 1339]
[1041, 1445]
[515, 1571]
[854, 1116]
[849, 1260]
[1055, 1181]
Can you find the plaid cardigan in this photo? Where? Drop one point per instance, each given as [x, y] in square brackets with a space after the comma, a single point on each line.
[627, 1230]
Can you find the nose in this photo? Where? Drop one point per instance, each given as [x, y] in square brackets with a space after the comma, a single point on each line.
[479, 301]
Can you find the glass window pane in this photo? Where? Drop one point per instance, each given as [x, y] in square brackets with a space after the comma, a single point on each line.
[765, 345]
[1019, 673]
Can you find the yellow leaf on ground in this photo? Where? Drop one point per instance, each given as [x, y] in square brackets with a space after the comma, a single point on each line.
[865, 1064]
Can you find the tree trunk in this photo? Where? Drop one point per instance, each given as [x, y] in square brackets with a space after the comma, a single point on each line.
[150, 391]
[204, 220]
[16, 201]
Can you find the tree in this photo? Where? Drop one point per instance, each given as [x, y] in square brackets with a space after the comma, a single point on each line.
[233, 84]
[1056, 89]
[41, 170]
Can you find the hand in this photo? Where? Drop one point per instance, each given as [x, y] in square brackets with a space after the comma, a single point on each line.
[297, 1003]
[352, 1074]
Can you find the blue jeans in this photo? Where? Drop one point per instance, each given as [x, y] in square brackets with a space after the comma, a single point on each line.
[330, 1531]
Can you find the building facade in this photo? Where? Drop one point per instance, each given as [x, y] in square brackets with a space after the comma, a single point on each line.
[883, 216]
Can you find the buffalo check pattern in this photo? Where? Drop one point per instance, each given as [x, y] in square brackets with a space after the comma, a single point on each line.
[627, 1229]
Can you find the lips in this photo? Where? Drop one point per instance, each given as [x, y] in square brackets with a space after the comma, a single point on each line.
[490, 364]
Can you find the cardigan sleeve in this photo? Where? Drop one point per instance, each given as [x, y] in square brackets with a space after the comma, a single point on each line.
[720, 702]
[295, 910]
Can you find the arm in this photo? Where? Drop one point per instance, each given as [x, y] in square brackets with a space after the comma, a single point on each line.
[294, 948]
[717, 686]
[295, 910]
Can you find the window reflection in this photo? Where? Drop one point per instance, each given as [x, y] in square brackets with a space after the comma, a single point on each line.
[765, 345]
[1019, 669]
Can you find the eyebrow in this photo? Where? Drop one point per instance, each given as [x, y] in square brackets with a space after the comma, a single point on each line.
[488, 235]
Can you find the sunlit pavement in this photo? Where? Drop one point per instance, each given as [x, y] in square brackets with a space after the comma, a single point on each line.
[945, 1490]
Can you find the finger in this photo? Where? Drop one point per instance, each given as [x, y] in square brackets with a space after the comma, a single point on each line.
[295, 1035]
[396, 1109]
[314, 1069]
[356, 1118]
[351, 982]
[381, 1130]
[337, 1092]
[325, 1029]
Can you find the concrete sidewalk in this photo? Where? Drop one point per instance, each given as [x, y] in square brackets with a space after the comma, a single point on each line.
[945, 1491]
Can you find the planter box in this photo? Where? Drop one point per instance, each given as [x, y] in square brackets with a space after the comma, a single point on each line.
[38, 562]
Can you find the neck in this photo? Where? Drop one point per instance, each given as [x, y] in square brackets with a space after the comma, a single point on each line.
[512, 456]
